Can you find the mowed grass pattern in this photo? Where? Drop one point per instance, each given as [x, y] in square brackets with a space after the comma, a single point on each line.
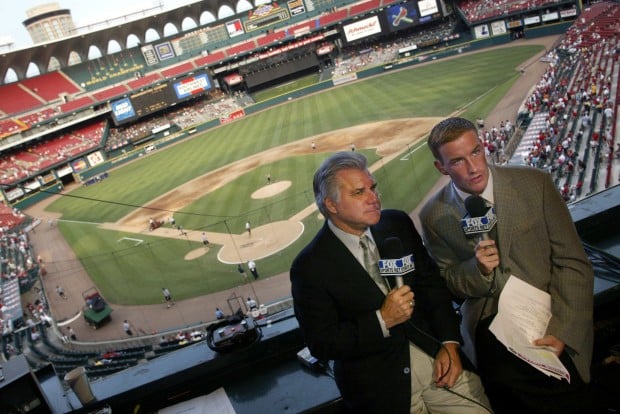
[133, 274]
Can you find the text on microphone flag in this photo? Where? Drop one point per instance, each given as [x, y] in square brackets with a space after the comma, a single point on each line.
[483, 224]
[396, 267]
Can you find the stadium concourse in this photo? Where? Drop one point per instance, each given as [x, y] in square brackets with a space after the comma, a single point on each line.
[151, 319]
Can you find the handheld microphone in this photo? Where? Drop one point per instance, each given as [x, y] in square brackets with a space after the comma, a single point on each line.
[396, 262]
[480, 219]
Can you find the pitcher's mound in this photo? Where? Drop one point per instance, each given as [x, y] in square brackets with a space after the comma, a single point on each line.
[264, 241]
[271, 189]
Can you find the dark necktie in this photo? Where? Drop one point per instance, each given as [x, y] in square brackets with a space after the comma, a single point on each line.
[370, 263]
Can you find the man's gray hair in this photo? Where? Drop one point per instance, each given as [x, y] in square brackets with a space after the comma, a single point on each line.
[324, 183]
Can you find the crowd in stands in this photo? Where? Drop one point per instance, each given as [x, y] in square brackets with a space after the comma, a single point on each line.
[358, 57]
[18, 268]
[571, 112]
[21, 164]
[214, 106]
[10, 217]
[478, 10]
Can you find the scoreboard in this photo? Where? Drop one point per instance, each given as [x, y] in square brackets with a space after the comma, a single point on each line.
[158, 97]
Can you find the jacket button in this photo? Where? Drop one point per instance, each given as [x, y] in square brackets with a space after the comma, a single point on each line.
[406, 370]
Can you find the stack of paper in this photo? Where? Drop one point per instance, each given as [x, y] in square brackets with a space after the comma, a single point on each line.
[523, 314]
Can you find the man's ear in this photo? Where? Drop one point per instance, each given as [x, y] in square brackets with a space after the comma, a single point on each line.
[439, 167]
[331, 206]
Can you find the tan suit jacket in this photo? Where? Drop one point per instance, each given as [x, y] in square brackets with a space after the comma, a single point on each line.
[537, 242]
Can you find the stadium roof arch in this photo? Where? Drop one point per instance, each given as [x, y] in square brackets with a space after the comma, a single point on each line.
[39, 55]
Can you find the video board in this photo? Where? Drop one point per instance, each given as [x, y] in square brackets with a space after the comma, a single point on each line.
[158, 97]
[405, 15]
[401, 16]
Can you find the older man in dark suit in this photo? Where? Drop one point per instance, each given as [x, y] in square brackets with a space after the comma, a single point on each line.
[395, 349]
[536, 241]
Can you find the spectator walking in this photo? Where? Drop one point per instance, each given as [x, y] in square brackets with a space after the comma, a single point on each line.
[127, 328]
[167, 297]
[251, 303]
[61, 292]
[71, 333]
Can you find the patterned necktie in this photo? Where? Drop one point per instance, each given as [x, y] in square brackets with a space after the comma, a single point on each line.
[493, 231]
[370, 263]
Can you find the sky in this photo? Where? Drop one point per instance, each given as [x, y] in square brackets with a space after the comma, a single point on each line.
[13, 13]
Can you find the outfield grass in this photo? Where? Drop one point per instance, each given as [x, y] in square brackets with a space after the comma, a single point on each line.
[294, 85]
[126, 273]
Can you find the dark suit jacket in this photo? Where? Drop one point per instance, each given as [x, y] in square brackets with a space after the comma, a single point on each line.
[537, 242]
[335, 302]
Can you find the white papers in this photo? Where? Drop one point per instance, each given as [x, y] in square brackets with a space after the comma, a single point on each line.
[522, 316]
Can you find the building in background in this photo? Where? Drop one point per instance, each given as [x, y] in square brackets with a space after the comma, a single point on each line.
[48, 22]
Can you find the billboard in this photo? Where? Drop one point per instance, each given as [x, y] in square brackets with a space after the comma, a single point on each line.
[235, 28]
[164, 51]
[428, 7]
[158, 97]
[192, 85]
[481, 31]
[498, 27]
[122, 110]
[400, 16]
[363, 28]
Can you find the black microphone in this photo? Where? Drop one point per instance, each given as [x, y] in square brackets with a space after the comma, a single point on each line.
[395, 262]
[480, 219]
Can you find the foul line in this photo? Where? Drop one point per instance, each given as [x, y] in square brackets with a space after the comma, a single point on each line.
[407, 155]
[138, 241]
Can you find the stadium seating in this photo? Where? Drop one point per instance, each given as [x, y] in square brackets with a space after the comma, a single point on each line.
[37, 117]
[144, 80]
[22, 99]
[9, 218]
[76, 104]
[11, 126]
[209, 59]
[478, 10]
[109, 93]
[51, 86]
[241, 48]
[270, 38]
[178, 70]
[334, 17]
[364, 7]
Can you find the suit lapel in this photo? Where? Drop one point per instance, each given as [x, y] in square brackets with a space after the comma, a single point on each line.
[457, 209]
[505, 208]
[348, 269]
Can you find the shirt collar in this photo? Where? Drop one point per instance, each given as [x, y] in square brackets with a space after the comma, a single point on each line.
[487, 194]
[352, 241]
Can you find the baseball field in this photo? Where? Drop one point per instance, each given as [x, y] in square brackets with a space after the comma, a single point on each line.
[215, 182]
